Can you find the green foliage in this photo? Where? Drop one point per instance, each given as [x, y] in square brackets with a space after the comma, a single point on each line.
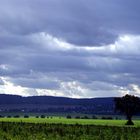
[68, 117]
[64, 120]
[38, 131]
[129, 105]
[26, 116]
[42, 116]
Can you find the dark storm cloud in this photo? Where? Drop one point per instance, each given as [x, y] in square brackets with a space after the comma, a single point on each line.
[78, 22]
[48, 44]
[37, 82]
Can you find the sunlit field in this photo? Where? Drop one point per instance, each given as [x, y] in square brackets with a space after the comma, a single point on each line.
[61, 128]
[62, 120]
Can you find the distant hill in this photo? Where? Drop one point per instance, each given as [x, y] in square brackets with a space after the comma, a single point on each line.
[14, 103]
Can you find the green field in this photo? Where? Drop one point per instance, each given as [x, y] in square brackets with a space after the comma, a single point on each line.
[48, 131]
[63, 120]
[57, 128]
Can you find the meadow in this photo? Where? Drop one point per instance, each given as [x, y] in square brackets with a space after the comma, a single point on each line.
[57, 128]
[48, 131]
[63, 120]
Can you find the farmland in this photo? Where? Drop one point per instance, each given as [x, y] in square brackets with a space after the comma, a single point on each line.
[48, 131]
[70, 122]
[62, 120]
[67, 129]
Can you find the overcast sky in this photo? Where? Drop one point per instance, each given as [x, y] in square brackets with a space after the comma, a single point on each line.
[72, 48]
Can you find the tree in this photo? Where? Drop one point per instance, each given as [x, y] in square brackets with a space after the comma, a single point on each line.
[42, 116]
[68, 117]
[129, 105]
[26, 116]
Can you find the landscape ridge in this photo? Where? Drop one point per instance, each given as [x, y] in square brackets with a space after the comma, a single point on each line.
[47, 104]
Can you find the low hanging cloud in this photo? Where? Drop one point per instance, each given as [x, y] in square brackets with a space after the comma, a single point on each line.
[77, 22]
[69, 48]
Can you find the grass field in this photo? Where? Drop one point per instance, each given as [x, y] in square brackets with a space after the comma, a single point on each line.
[57, 120]
[57, 128]
[48, 131]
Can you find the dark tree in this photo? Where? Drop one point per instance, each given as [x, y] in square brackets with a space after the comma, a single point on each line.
[85, 117]
[26, 116]
[42, 116]
[16, 116]
[68, 117]
[129, 105]
[77, 117]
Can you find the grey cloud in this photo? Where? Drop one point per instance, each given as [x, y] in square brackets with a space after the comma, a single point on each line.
[69, 68]
[36, 82]
[78, 22]
[1, 82]
[82, 23]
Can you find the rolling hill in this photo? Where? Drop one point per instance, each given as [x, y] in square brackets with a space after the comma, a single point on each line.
[14, 103]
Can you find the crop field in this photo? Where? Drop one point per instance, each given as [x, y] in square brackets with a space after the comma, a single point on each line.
[49, 131]
[67, 129]
[62, 120]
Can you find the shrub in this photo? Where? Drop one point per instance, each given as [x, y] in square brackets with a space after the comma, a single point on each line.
[85, 117]
[94, 117]
[106, 118]
[103, 118]
[26, 116]
[42, 116]
[68, 116]
[16, 116]
[77, 117]
[109, 118]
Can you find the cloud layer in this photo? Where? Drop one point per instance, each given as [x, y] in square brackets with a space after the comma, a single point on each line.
[66, 48]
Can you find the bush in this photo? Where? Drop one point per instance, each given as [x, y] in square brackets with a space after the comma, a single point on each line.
[85, 117]
[106, 118]
[118, 118]
[77, 117]
[68, 117]
[94, 117]
[26, 116]
[42, 116]
[103, 118]
[109, 118]
[16, 116]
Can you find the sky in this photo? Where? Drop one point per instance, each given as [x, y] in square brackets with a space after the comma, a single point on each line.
[78, 49]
